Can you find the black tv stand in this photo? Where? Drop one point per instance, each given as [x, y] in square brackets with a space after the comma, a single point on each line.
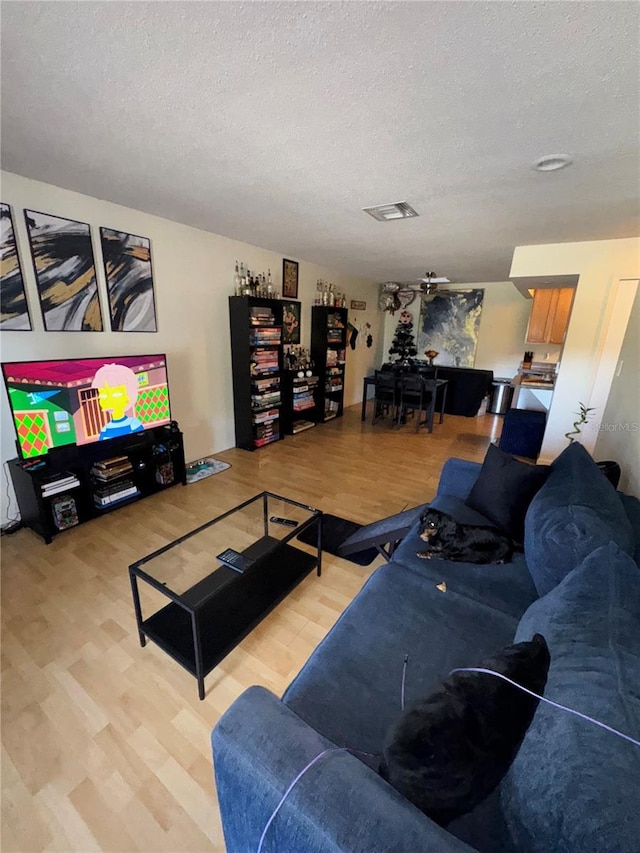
[156, 458]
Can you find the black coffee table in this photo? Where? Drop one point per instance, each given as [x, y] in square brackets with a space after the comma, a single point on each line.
[213, 607]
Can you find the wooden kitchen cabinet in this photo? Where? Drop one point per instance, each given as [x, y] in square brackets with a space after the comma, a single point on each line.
[550, 315]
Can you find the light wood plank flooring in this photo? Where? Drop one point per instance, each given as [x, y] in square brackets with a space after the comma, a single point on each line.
[105, 745]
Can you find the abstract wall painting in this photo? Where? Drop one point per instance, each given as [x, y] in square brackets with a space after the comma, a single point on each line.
[127, 265]
[449, 323]
[65, 272]
[14, 311]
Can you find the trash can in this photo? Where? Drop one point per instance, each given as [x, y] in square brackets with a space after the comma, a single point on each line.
[500, 396]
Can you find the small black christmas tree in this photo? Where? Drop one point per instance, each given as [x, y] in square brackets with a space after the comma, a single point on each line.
[402, 345]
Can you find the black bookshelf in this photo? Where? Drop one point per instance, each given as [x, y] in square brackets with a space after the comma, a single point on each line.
[328, 352]
[256, 360]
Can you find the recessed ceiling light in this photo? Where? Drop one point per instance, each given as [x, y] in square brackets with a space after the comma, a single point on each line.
[552, 162]
[389, 212]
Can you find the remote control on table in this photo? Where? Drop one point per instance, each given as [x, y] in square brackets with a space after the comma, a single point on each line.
[288, 521]
[235, 560]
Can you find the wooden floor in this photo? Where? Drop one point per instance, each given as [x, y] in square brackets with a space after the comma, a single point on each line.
[105, 745]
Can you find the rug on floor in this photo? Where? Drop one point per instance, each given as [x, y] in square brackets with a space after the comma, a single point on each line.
[335, 531]
[205, 468]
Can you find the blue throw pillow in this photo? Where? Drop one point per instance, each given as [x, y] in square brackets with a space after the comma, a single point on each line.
[577, 500]
[573, 786]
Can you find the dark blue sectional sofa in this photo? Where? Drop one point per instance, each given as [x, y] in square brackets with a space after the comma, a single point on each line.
[573, 787]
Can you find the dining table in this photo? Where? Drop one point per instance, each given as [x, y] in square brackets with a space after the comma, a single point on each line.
[434, 384]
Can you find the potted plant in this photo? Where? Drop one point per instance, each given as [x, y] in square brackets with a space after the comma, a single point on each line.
[609, 468]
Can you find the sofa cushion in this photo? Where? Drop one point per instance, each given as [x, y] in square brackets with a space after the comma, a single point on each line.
[575, 511]
[449, 750]
[631, 506]
[574, 786]
[504, 489]
[349, 689]
[507, 587]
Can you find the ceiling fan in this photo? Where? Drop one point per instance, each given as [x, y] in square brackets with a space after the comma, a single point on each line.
[400, 294]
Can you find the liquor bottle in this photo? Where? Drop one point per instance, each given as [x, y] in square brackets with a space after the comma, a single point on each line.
[269, 285]
[325, 294]
[237, 291]
[331, 296]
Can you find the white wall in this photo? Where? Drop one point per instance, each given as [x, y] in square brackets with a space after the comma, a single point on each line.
[503, 324]
[193, 276]
[618, 430]
[608, 273]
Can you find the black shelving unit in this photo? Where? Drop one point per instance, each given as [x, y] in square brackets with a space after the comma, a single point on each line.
[150, 455]
[256, 360]
[299, 402]
[328, 352]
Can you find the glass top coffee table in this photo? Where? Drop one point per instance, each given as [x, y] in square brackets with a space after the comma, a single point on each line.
[213, 605]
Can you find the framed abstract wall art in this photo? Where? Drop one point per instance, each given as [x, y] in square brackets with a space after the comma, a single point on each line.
[127, 267]
[14, 311]
[65, 273]
[449, 323]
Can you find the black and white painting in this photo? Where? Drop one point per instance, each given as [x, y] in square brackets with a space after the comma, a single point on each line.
[127, 266]
[449, 324]
[65, 272]
[14, 311]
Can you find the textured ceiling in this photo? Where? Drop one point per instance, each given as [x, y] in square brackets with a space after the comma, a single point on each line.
[274, 123]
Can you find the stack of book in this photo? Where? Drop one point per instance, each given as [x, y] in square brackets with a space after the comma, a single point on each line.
[334, 336]
[266, 426]
[264, 361]
[265, 401]
[265, 337]
[302, 397]
[53, 484]
[266, 432]
[114, 481]
[261, 316]
[265, 393]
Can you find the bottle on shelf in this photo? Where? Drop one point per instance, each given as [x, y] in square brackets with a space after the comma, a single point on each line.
[331, 299]
[236, 282]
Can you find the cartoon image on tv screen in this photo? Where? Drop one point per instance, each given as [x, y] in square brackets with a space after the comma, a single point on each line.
[85, 400]
[117, 394]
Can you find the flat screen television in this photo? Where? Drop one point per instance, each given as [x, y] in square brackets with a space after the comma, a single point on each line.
[83, 400]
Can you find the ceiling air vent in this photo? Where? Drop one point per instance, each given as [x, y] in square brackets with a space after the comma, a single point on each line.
[387, 212]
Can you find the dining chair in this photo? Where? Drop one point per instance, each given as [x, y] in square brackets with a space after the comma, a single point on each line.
[416, 396]
[385, 396]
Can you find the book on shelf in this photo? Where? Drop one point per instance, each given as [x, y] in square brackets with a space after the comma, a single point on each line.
[62, 486]
[258, 316]
[112, 462]
[59, 477]
[112, 473]
[260, 442]
[271, 383]
[104, 500]
[267, 415]
[300, 426]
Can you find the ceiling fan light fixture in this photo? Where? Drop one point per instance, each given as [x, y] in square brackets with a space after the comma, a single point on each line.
[390, 212]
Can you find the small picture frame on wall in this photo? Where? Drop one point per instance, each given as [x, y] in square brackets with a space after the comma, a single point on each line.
[357, 305]
[289, 279]
[291, 323]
